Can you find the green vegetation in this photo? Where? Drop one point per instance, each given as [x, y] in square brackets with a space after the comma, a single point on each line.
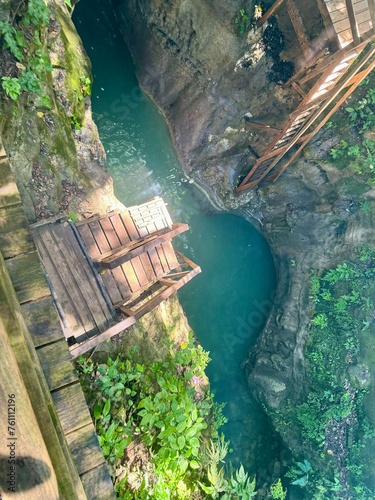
[357, 150]
[331, 414]
[243, 22]
[23, 39]
[157, 424]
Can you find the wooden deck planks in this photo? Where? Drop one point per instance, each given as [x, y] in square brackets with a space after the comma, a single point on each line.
[67, 398]
[92, 249]
[27, 277]
[15, 237]
[85, 448]
[97, 484]
[43, 321]
[57, 365]
[9, 195]
[75, 318]
[84, 277]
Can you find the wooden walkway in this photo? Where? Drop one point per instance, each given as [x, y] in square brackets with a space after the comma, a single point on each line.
[324, 83]
[43, 358]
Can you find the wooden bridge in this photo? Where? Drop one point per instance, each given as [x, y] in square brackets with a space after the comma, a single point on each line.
[324, 82]
[109, 270]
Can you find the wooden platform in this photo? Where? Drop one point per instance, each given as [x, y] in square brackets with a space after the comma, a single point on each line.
[32, 326]
[109, 270]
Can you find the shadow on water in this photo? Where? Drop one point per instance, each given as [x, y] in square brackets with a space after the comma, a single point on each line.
[228, 303]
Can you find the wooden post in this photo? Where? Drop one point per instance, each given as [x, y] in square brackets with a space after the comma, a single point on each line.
[269, 13]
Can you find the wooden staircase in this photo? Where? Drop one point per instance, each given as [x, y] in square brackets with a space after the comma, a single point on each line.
[324, 83]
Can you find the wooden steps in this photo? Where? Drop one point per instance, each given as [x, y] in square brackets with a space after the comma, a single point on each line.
[319, 83]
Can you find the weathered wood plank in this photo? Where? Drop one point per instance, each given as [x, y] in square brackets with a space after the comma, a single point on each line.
[113, 330]
[93, 251]
[270, 12]
[92, 279]
[98, 484]
[64, 282]
[131, 228]
[82, 276]
[37, 390]
[121, 229]
[57, 365]
[71, 407]
[85, 448]
[110, 232]
[15, 237]
[163, 260]
[170, 256]
[72, 325]
[36, 470]
[43, 321]
[27, 277]
[125, 281]
[353, 20]
[163, 295]
[9, 194]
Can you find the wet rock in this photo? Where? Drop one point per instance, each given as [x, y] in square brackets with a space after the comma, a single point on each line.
[359, 376]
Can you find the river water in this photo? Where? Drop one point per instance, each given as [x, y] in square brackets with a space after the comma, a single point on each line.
[226, 305]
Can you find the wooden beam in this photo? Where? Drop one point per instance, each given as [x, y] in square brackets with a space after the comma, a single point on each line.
[299, 28]
[261, 126]
[334, 93]
[167, 282]
[76, 351]
[355, 84]
[270, 12]
[119, 256]
[327, 21]
[352, 20]
[163, 295]
[299, 89]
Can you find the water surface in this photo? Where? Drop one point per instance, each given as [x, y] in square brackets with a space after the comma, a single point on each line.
[226, 304]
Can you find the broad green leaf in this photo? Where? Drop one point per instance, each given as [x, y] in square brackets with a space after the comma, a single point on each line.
[194, 464]
[181, 442]
[107, 407]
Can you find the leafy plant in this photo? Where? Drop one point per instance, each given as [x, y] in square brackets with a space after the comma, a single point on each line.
[12, 87]
[85, 85]
[277, 491]
[243, 21]
[75, 121]
[34, 58]
[300, 473]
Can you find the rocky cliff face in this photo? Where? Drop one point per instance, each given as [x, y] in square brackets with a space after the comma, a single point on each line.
[205, 77]
[191, 60]
[54, 148]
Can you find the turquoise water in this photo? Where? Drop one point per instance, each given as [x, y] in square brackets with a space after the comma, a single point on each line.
[227, 303]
